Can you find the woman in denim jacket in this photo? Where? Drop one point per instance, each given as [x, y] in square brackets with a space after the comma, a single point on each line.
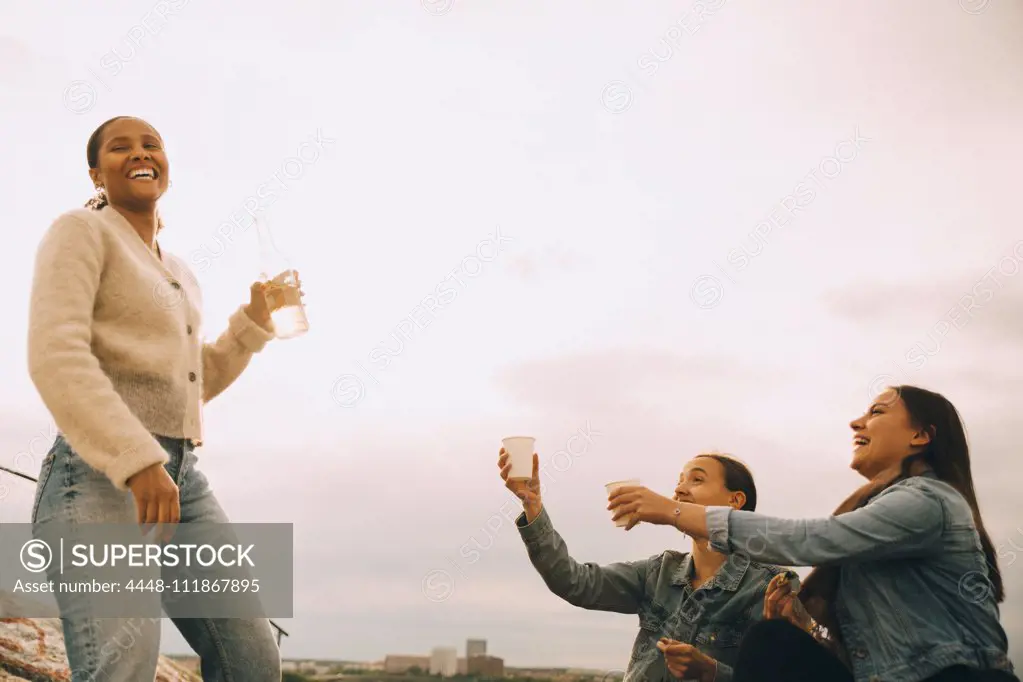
[907, 584]
[693, 607]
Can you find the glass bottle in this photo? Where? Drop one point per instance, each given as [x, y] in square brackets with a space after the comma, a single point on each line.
[283, 295]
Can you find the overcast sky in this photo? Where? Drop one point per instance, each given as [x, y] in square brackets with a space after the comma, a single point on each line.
[623, 157]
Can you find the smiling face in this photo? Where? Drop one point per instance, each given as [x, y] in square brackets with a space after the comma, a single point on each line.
[130, 164]
[702, 482]
[885, 435]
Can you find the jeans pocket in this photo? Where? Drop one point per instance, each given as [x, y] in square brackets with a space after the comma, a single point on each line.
[58, 448]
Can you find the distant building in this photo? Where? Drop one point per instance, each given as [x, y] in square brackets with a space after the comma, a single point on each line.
[463, 667]
[361, 665]
[309, 667]
[486, 666]
[444, 662]
[402, 664]
[475, 647]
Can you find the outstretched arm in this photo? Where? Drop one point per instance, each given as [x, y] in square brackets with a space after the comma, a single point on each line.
[905, 520]
[225, 359]
[618, 587]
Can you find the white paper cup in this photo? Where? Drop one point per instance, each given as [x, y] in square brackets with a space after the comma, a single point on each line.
[615, 485]
[520, 454]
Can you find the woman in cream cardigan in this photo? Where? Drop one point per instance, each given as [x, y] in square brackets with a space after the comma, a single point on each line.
[115, 351]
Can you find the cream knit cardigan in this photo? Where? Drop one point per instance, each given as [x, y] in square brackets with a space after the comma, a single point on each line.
[115, 345]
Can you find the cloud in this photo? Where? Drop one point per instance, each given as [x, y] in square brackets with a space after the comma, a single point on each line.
[623, 379]
[985, 308]
[17, 60]
[553, 260]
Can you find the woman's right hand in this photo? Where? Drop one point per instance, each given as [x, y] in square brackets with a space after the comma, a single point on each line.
[157, 500]
[781, 602]
[526, 490]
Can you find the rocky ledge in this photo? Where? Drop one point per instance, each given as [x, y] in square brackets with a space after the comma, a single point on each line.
[32, 650]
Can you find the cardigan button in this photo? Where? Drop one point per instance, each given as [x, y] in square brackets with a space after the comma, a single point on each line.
[191, 376]
[189, 329]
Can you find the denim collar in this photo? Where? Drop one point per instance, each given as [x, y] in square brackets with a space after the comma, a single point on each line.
[728, 577]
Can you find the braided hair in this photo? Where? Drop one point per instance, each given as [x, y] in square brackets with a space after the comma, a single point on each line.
[99, 200]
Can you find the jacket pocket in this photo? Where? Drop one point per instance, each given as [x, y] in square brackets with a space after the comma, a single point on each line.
[718, 636]
[650, 630]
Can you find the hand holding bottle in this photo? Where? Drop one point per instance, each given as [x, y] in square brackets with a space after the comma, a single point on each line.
[281, 295]
[259, 307]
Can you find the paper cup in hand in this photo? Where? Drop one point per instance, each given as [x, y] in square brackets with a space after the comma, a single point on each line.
[615, 485]
[520, 454]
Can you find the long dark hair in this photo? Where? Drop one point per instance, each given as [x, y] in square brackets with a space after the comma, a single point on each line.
[948, 455]
[92, 157]
[737, 478]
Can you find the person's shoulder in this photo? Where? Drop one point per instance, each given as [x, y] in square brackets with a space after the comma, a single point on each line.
[671, 556]
[927, 485]
[75, 229]
[952, 501]
[80, 218]
[928, 496]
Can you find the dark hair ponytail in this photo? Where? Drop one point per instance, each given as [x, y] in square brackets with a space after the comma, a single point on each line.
[737, 479]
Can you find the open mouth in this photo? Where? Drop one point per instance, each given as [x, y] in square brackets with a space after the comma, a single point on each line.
[143, 174]
[860, 441]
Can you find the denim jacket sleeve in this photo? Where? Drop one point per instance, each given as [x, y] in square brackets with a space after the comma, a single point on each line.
[618, 587]
[904, 520]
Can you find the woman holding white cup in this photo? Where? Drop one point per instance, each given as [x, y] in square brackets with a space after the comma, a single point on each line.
[693, 607]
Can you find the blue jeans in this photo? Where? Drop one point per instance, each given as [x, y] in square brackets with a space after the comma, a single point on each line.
[127, 649]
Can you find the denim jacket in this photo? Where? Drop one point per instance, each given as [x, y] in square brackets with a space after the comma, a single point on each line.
[713, 618]
[913, 596]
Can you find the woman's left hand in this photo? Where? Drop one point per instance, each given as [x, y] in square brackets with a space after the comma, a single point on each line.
[781, 601]
[257, 309]
[641, 504]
